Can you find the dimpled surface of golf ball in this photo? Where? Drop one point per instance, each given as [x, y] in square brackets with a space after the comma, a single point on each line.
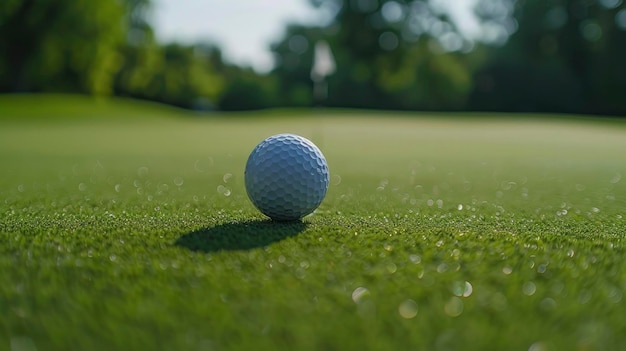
[286, 177]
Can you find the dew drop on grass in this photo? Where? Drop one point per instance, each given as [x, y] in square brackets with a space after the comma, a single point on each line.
[557, 288]
[142, 171]
[584, 297]
[615, 295]
[459, 207]
[442, 268]
[510, 185]
[118, 187]
[542, 268]
[455, 253]
[82, 187]
[392, 268]
[454, 307]
[360, 294]
[227, 177]
[408, 309]
[178, 181]
[462, 289]
[336, 179]
[203, 165]
[415, 259]
[538, 346]
[20, 188]
[529, 288]
[198, 166]
[524, 193]
[469, 289]
[507, 270]
[223, 190]
[616, 178]
[547, 304]
[300, 273]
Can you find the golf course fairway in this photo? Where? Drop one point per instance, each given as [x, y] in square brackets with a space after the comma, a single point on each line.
[126, 226]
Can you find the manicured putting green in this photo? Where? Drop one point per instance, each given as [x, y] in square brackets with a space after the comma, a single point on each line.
[125, 226]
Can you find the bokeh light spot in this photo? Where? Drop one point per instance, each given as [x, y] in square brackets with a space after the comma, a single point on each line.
[408, 309]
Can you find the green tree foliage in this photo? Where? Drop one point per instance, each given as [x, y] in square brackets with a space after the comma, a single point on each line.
[389, 54]
[56, 45]
[245, 89]
[566, 56]
[186, 78]
[540, 55]
[294, 58]
[181, 75]
[139, 66]
[99, 47]
[141, 55]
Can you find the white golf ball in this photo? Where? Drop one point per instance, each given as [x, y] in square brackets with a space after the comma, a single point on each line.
[286, 177]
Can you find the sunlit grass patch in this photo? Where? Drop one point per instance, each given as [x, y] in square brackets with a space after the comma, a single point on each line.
[435, 234]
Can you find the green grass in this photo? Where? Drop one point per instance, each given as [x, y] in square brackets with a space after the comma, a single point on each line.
[125, 226]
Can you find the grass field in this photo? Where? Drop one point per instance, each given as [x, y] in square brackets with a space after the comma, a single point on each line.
[126, 226]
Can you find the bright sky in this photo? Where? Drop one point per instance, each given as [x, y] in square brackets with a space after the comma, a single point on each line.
[244, 29]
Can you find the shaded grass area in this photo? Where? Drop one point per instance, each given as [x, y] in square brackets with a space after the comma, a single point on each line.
[135, 233]
[245, 235]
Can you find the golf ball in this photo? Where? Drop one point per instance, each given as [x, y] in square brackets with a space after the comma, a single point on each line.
[286, 177]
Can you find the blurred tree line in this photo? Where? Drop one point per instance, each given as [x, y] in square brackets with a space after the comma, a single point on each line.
[522, 55]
